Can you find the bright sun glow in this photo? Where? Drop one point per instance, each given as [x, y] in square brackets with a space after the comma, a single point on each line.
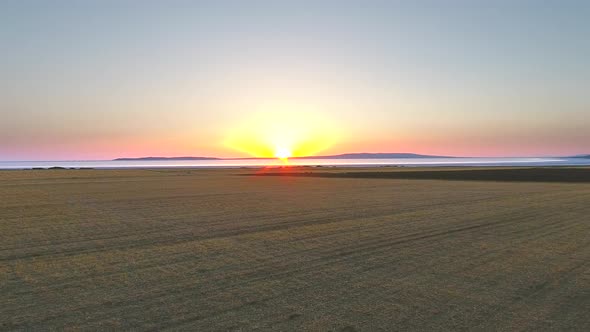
[282, 153]
[282, 134]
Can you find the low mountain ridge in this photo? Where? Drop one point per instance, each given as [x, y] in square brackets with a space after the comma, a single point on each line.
[363, 155]
[166, 158]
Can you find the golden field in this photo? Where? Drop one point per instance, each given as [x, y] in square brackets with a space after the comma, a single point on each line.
[214, 250]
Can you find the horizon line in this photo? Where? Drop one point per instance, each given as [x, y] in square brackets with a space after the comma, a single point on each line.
[299, 157]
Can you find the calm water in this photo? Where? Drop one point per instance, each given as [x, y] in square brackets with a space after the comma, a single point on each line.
[302, 162]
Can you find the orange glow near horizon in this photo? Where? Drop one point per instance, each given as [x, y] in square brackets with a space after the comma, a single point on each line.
[282, 135]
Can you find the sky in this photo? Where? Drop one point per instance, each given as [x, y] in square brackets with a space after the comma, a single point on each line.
[92, 80]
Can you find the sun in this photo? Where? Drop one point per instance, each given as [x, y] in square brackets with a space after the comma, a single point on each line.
[282, 134]
[282, 152]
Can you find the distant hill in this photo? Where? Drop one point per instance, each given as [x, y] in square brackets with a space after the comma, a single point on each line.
[338, 156]
[373, 156]
[586, 156]
[166, 158]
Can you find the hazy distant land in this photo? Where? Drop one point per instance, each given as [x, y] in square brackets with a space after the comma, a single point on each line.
[338, 156]
[212, 249]
[166, 158]
[373, 156]
[361, 155]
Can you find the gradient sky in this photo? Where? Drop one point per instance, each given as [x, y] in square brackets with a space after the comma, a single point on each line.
[106, 79]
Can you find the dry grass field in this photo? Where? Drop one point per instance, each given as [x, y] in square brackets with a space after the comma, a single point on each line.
[209, 250]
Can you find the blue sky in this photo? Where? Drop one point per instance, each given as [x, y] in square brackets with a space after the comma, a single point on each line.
[101, 79]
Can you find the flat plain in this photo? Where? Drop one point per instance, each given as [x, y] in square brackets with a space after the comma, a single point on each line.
[213, 250]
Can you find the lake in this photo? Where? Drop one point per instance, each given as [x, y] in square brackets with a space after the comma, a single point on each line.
[227, 163]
